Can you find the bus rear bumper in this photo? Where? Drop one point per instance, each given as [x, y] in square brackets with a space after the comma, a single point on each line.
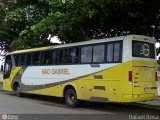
[138, 97]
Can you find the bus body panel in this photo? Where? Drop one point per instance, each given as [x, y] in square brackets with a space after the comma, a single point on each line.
[8, 83]
[144, 77]
[109, 85]
[102, 82]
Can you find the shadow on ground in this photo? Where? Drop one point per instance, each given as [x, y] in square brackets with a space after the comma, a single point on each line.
[130, 108]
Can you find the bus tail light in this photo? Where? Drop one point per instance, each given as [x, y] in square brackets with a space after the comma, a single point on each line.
[156, 76]
[130, 76]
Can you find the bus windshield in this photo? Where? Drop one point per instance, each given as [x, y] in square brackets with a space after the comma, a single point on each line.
[143, 49]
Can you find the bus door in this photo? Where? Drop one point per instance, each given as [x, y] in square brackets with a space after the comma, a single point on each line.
[7, 72]
[7, 67]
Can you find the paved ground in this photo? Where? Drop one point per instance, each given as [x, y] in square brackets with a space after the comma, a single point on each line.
[34, 107]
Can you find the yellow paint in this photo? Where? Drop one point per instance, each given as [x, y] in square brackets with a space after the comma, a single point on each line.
[7, 82]
[115, 81]
[32, 50]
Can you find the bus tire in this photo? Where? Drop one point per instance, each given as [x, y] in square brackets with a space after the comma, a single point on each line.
[71, 98]
[17, 90]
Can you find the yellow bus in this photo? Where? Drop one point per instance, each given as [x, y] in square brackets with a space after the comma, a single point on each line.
[118, 69]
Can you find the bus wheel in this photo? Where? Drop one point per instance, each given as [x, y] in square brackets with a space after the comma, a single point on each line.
[18, 90]
[71, 98]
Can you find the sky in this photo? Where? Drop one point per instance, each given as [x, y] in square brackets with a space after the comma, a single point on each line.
[54, 39]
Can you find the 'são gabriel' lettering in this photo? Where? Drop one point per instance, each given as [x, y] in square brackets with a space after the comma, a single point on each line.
[47, 71]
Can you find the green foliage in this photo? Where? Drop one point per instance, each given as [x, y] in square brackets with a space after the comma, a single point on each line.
[27, 23]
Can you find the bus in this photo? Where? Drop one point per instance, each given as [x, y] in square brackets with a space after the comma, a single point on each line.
[118, 69]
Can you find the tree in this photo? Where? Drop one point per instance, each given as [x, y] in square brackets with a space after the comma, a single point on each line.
[27, 23]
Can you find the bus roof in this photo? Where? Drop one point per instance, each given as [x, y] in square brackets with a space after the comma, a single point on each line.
[68, 45]
[31, 50]
[94, 41]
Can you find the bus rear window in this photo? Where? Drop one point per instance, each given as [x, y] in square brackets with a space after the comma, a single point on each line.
[143, 49]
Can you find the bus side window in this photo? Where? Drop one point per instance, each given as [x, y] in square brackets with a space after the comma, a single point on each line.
[113, 52]
[54, 56]
[47, 56]
[28, 59]
[7, 67]
[36, 58]
[110, 52]
[86, 54]
[16, 59]
[73, 55]
[98, 53]
[64, 56]
[22, 59]
[117, 51]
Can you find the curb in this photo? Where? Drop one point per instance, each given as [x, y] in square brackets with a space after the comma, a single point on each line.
[153, 104]
[147, 105]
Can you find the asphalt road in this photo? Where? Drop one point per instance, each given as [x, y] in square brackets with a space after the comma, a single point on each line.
[46, 108]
